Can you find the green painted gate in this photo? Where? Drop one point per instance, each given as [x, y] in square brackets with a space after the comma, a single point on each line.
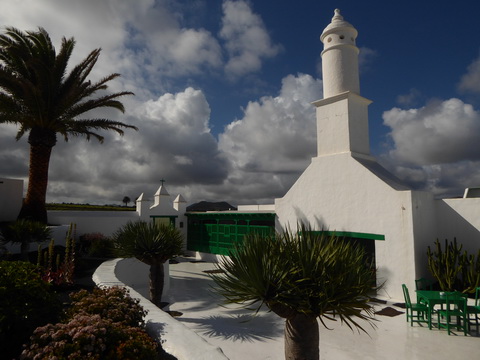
[215, 233]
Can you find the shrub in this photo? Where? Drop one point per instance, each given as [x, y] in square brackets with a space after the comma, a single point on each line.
[25, 303]
[90, 337]
[96, 245]
[112, 303]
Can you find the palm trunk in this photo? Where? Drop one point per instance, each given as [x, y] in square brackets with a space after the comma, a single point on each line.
[302, 338]
[41, 143]
[156, 282]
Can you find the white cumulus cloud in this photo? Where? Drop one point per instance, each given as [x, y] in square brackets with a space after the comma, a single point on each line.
[470, 82]
[435, 147]
[441, 132]
[274, 141]
[246, 39]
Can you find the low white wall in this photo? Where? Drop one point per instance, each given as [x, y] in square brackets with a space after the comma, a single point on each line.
[266, 207]
[105, 222]
[135, 274]
[177, 339]
[204, 256]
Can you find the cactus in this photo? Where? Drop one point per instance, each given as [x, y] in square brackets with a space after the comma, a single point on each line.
[443, 264]
[454, 269]
[471, 273]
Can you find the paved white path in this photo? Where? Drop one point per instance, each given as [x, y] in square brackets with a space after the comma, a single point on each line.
[242, 336]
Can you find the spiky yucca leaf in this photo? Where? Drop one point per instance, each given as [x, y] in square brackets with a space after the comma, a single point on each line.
[301, 272]
[148, 242]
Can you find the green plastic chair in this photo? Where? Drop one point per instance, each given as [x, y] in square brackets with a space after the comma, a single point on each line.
[415, 312]
[474, 310]
[455, 307]
[423, 284]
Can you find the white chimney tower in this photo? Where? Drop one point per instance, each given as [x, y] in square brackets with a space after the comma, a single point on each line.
[339, 57]
[342, 114]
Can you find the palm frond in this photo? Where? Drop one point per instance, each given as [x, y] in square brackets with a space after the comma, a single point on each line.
[34, 78]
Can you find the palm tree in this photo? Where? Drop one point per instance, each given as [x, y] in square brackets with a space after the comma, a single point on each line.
[152, 244]
[38, 95]
[301, 276]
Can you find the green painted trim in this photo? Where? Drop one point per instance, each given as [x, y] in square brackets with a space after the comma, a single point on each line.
[356, 235]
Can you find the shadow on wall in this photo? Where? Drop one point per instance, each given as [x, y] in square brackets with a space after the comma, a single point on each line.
[449, 224]
[317, 224]
[453, 224]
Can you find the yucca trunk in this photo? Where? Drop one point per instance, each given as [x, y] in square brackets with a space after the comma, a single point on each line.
[41, 143]
[156, 282]
[302, 338]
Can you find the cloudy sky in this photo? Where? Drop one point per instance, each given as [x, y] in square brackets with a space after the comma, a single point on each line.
[223, 91]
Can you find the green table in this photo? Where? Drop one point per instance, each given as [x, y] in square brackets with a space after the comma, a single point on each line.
[431, 298]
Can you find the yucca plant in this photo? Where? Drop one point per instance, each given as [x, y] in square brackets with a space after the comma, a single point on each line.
[301, 276]
[153, 245]
[25, 232]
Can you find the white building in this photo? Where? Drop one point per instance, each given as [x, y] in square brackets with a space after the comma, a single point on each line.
[345, 190]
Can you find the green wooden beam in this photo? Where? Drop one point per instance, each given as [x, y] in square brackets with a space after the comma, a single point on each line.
[356, 235]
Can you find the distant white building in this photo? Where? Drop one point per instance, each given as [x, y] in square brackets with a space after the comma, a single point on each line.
[164, 209]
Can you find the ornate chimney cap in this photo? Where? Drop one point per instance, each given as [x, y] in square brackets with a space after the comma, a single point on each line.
[338, 24]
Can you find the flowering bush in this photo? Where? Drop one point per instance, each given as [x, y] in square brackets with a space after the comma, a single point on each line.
[90, 337]
[111, 303]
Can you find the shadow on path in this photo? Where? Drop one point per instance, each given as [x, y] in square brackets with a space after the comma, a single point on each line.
[244, 328]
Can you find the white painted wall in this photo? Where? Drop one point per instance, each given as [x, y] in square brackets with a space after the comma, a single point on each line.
[424, 225]
[253, 208]
[342, 124]
[11, 197]
[105, 222]
[458, 218]
[345, 193]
